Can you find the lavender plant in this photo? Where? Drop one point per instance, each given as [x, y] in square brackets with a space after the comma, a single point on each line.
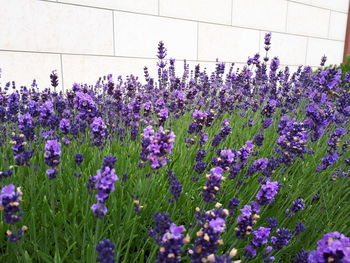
[258, 172]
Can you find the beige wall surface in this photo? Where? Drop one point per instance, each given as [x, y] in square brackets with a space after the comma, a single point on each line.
[86, 39]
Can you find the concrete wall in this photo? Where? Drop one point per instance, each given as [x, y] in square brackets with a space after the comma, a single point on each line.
[85, 39]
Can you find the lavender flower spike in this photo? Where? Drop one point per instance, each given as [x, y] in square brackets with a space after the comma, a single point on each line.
[105, 249]
[267, 193]
[213, 184]
[333, 247]
[52, 157]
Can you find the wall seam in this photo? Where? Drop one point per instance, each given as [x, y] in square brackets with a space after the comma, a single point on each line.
[106, 8]
[329, 23]
[307, 47]
[259, 40]
[62, 80]
[125, 57]
[158, 7]
[197, 39]
[201, 21]
[232, 12]
[94, 55]
[285, 26]
[113, 33]
[320, 7]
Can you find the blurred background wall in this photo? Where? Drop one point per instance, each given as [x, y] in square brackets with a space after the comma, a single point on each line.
[85, 39]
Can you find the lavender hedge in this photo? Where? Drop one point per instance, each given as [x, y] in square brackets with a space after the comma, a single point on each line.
[246, 165]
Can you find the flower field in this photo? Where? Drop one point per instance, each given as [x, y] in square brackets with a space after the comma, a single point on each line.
[247, 165]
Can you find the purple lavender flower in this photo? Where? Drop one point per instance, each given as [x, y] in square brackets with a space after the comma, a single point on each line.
[266, 255]
[203, 139]
[217, 140]
[200, 167]
[99, 209]
[213, 184]
[109, 161]
[200, 119]
[98, 131]
[242, 156]
[156, 146]
[17, 235]
[51, 173]
[275, 62]
[52, 153]
[52, 157]
[105, 249]
[299, 228]
[272, 222]
[258, 139]
[251, 123]
[292, 140]
[134, 133]
[161, 50]
[79, 158]
[329, 78]
[86, 106]
[46, 110]
[267, 123]
[225, 158]
[171, 244]
[269, 108]
[317, 119]
[219, 259]
[10, 199]
[2, 114]
[246, 221]
[124, 177]
[175, 186]
[334, 140]
[249, 251]
[301, 256]
[65, 126]
[224, 132]
[282, 238]
[162, 223]
[323, 60]
[267, 193]
[209, 236]
[13, 106]
[327, 161]
[66, 140]
[333, 247]
[22, 156]
[347, 161]
[257, 166]
[54, 79]
[296, 206]
[137, 206]
[267, 41]
[103, 182]
[25, 123]
[162, 115]
[6, 173]
[200, 155]
[260, 237]
[233, 204]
